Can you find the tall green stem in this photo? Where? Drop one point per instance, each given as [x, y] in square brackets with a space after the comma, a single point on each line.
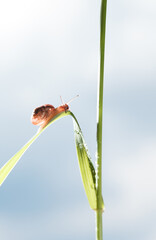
[99, 235]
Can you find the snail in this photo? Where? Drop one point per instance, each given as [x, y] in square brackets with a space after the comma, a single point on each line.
[42, 115]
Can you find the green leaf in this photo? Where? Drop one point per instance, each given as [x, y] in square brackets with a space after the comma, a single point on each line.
[86, 167]
[7, 168]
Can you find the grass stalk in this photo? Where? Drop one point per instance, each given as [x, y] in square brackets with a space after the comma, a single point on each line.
[99, 211]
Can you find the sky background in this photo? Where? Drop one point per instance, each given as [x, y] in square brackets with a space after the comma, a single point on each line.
[51, 48]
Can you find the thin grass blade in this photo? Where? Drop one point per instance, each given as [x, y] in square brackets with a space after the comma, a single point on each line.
[8, 167]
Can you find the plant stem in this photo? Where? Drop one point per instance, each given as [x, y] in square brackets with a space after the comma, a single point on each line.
[99, 235]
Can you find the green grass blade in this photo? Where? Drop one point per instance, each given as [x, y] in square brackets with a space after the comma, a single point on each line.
[7, 168]
[99, 228]
[86, 167]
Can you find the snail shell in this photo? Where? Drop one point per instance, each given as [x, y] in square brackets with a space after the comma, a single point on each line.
[42, 114]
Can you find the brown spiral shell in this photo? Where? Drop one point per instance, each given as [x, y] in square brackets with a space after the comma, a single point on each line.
[42, 114]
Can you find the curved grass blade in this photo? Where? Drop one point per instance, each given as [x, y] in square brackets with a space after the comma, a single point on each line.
[86, 167]
[7, 168]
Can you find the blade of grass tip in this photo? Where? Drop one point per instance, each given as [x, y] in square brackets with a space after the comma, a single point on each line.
[8, 167]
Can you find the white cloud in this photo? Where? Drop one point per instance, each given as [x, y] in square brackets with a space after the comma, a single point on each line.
[131, 41]
[50, 33]
[133, 178]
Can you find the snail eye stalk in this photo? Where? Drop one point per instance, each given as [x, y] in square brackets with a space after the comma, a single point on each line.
[72, 99]
[62, 100]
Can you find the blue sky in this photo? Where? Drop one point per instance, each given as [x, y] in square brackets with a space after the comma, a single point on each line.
[51, 48]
